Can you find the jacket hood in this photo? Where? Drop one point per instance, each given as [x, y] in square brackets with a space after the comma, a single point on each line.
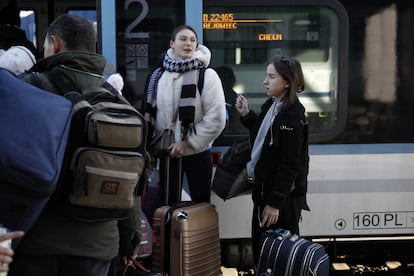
[83, 61]
[17, 59]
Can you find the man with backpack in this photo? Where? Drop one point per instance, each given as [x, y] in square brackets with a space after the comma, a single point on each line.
[58, 244]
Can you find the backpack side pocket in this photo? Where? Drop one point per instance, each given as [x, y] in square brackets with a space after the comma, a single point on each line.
[105, 179]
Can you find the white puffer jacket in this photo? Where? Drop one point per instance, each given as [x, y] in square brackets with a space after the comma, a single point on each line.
[210, 110]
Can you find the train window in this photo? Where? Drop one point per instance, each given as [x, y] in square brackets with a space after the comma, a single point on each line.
[143, 30]
[88, 14]
[28, 24]
[244, 38]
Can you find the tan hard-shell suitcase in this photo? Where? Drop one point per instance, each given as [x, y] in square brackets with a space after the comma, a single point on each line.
[189, 232]
[187, 240]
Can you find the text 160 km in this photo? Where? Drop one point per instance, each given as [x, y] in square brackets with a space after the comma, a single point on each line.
[383, 220]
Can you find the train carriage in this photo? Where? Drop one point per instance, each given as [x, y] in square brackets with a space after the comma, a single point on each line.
[358, 61]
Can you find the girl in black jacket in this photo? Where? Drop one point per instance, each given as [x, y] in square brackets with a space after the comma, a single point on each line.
[279, 160]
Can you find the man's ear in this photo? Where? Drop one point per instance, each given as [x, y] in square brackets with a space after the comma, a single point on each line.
[56, 43]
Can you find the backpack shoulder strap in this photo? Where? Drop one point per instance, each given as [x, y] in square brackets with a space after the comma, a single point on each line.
[65, 84]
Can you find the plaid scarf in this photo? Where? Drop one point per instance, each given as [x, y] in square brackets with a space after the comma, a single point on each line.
[188, 91]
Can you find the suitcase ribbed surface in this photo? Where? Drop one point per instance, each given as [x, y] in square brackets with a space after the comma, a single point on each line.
[282, 254]
[199, 253]
[159, 230]
[194, 240]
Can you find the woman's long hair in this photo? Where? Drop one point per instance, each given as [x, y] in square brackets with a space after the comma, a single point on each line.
[291, 70]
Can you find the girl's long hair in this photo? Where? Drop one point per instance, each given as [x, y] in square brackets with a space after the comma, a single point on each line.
[291, 70]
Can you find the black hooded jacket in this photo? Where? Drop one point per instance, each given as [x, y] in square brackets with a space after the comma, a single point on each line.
[283, 164]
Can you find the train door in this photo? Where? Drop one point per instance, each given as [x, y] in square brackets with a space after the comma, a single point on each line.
[134, 35]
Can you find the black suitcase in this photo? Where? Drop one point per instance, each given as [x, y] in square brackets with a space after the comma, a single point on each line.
[283, 254]
[187, 236]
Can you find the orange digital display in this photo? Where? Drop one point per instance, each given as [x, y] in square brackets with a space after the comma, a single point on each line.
[228, 21]
[229, 17]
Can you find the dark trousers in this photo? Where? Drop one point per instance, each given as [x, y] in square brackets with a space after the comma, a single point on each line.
[52, 265]
[288, 219]
[198, 170]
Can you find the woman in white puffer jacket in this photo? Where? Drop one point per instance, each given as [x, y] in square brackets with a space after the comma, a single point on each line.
[201, 115]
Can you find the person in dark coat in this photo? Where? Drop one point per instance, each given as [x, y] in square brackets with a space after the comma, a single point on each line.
[279, 160]
[57, 244]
